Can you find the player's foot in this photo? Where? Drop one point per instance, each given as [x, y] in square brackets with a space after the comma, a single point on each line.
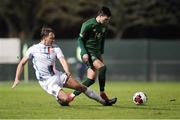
[109, 101]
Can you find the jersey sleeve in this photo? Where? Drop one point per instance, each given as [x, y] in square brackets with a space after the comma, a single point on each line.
[82, 46]
[103, 43]
[84, 29]
[59, 52]
[82, 37]
[29, 53]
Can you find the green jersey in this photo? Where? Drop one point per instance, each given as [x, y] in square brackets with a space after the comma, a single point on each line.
[91, 38]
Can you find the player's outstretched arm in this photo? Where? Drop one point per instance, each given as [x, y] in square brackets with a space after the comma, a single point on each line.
[65, 65]
[19, 71]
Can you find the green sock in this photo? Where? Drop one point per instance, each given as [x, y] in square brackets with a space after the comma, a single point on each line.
[87, 82]
[102, 78]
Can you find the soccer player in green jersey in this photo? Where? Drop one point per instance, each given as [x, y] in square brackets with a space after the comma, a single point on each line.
[91, 41]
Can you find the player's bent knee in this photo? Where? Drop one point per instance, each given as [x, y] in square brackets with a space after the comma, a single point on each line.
[91, 74]
[63, 98]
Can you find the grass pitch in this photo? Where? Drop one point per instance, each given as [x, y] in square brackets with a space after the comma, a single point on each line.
[30, 101]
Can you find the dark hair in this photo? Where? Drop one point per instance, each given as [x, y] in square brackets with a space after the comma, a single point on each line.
[105, 11]
[45, 31]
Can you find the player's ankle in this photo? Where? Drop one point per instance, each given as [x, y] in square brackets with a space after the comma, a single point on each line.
[104, 96]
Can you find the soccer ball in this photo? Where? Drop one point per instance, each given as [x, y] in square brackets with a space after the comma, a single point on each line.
[139, 98]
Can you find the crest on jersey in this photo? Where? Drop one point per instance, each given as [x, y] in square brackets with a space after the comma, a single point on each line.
[50, 50]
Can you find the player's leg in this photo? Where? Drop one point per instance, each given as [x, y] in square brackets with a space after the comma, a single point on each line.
[101, 67]
[91, 75]
[54, 86]
[63, 98]
[73, 84]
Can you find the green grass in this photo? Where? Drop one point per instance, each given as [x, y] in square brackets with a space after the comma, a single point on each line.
[29, 101]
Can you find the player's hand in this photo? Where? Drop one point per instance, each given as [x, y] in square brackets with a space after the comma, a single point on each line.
[68, 74]
[85, 58]
[16, 82]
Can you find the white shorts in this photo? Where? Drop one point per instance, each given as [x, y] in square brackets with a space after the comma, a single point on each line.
[54, 84]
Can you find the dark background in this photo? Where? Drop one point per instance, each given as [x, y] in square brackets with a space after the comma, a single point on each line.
[130, 18]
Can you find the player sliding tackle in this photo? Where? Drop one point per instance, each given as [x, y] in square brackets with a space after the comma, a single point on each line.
[44, 55]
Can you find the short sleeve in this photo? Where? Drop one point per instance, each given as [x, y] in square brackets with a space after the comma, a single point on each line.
[59, 52]
[29, 52]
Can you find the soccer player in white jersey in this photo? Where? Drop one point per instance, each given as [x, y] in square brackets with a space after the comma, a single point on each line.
[44, 55]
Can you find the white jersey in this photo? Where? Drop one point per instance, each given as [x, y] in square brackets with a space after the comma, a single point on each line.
[43, 58]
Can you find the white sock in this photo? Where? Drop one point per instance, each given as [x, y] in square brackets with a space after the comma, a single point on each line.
[91, 94]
